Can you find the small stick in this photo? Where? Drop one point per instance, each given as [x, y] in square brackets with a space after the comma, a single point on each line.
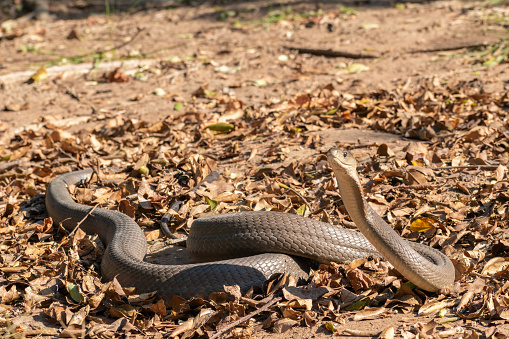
[490, 277]
[127, 42]
[75, 96]
[302, 198]
[372, 333]
[95, 170]
[219, 333]
[15, 163]
[503, 234]
[42, 331]
[173, 75]
[350, 224]
[69, 157]
[77, 225]
[450, 48]
[414, 187]
[81, 221]
[483, 167]
[373, 144]
[333, 54]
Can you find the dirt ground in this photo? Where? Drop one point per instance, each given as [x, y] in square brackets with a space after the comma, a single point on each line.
[182, 48]
[245, 49]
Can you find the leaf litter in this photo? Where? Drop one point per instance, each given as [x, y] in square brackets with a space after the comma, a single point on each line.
[450, 193]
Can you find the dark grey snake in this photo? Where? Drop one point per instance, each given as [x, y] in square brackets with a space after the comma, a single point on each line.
[248, 235]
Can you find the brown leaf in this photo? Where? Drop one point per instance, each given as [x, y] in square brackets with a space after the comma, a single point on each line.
[56, 311]
[290, 313]
[369, 313]
[415, 177]
[291, 292]
[73, 35]
[127, 208]
[495, 265]
[10, 295]
[179, 304]
[310, 318]
[435, 306]
[500, 172]
[234, 291]
[426, 330]
[95, 300]
[270, 320]
[359, 280]
[42, 172]
[283, 325]
[73, 331]
[184, 327]
[385, 151]
[159, 308]
[58, 136]
[78, 317]
[117, 76]
[46, 227]
[253, 153]
[276, 282]
[356, 263]
[121, 325]
[122, 311]
[387, 333]
[84, 196]
[473, 289]
[477, 133]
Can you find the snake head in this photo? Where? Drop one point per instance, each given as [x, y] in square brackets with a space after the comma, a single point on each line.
[341, 158]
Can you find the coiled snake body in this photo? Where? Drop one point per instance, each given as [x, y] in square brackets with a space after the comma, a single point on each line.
[266, 242]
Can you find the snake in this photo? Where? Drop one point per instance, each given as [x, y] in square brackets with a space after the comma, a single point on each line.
[246, 248]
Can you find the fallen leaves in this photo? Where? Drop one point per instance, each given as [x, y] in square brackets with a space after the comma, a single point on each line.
[117, 76]
[447, 194]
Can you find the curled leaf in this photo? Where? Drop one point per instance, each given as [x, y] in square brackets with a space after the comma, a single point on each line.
[435, 306]
[369, 313]
[74, 292]
[421, 225]
[359, 305]
[303, 210]
[356, 68]
[331, 327]
[495, 265]
[212, 203]
[221, 127]
[40, 75]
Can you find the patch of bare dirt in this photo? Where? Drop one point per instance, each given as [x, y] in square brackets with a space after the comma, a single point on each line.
[248, 55]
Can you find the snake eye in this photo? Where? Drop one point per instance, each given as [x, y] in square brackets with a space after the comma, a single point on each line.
[345, 154]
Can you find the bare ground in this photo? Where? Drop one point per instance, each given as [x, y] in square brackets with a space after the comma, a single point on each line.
[195, 36]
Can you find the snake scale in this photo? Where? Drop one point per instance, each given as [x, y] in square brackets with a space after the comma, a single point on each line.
[245, 248]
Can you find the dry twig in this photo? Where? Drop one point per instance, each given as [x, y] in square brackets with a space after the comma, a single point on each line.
[333, 54]
[302, 198]
[225, 329]
[449, 48]
[483, 167]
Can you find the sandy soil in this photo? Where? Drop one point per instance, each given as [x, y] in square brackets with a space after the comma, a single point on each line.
[156, 37]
